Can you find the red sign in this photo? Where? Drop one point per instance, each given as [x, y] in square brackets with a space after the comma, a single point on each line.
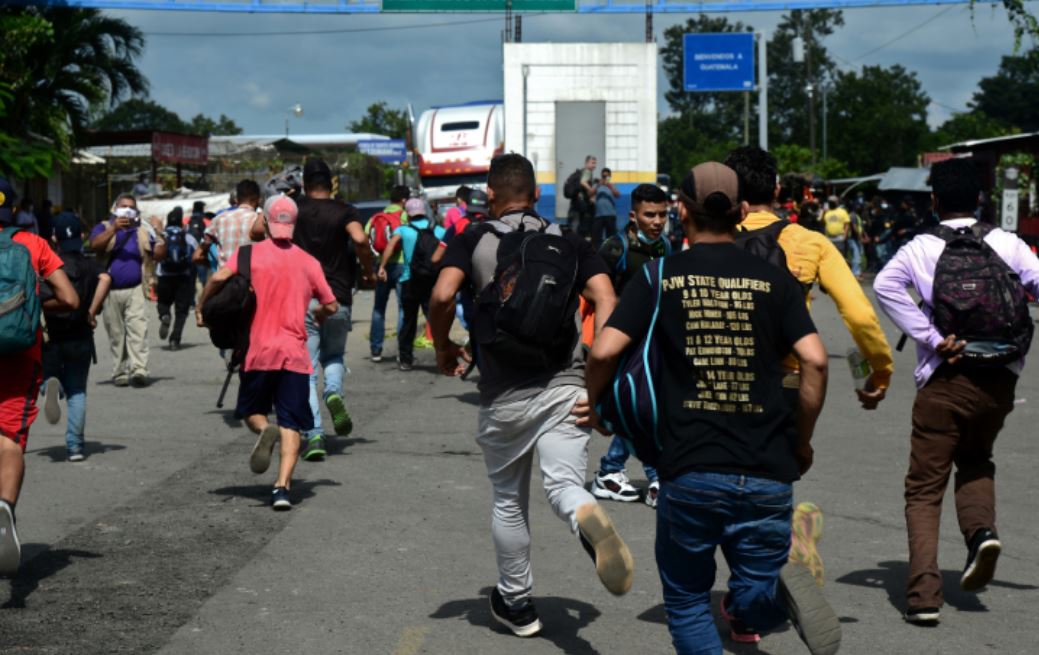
[180, 148]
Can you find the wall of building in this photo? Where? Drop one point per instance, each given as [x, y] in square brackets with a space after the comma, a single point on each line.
[624, 75]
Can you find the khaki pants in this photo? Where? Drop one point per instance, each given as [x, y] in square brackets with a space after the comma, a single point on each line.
[127, 328]
[956, 418]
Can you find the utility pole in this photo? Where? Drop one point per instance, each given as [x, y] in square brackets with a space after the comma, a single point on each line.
[519, 29]
[809, 85]
[508, 21]
[649, 21]
[763, 90]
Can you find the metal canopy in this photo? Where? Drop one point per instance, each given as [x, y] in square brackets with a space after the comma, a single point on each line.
[375, 6]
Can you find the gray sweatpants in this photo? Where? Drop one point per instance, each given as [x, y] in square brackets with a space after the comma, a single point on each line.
[509, 433]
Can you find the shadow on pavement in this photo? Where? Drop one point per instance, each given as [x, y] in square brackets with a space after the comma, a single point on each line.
[301, 490]
[151, 382]
[469, 397]
[657, 614]
[562, 618]
[90, 448]
[229, 418]
[891, 576]
[338, 445]
[38, 563]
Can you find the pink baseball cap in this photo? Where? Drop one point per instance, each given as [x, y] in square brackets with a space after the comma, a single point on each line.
[281, 212]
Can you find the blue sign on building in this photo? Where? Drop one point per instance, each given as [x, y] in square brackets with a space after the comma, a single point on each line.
[388, 151]
[718, 62]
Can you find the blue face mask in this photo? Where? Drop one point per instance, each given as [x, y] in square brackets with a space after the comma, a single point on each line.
[646, 240]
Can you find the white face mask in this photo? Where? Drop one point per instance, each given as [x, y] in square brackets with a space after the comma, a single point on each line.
[646, 240]
[125, 212]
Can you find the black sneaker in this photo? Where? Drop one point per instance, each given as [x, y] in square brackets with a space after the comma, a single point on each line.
[922, 615]
[812, 616]
[164, 327]
[522, 620]
[982, 552]
[280, 499]
[402, 365]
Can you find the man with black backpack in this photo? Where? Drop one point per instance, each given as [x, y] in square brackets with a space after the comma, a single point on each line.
[418, 241]
[729, 445]
[26, 261]
[176, 278]
[811, 258]
[380, 229]
[69, 349]
[972, 331]
[527, 276]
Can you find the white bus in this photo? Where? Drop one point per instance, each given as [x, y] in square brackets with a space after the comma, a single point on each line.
[455, 144]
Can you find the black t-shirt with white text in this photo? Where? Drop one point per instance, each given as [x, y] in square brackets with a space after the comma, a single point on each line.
[321, 232]
[727, 319]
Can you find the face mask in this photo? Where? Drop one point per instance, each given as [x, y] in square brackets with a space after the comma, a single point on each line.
[646, 240]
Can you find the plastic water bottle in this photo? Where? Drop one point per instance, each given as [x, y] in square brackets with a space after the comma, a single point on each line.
[860, 368]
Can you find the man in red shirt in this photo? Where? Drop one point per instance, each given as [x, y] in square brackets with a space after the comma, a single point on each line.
[20, 382]
[277, 368]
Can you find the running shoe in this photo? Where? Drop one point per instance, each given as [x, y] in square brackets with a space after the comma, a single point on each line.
[260, 459]
[812, 617]
[51, 408]
[522, 620]
[139, 380]
[340, 417]
[314, 450]
[982, 554]
[121, 381]
[164, 327]
[806, 529]
[76, 456]
[377, 357]
[280, 499]
[10, 549]
[613, 560]
[652, 492]
[614, 486]
[922, 615]
[738, 630]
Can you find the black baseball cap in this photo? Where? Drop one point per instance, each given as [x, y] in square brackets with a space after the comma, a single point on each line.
[8, 201]
[68, 231]
[477, 205]
[315, 168]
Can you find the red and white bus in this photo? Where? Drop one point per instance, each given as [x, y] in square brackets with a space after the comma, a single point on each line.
[454, 145]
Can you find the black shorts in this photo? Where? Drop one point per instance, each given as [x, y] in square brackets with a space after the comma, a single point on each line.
[287, 392]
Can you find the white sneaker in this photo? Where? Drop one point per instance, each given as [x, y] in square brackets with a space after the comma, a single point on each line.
[51, 408]
[652, 491]
[614, 486]
[10, 549]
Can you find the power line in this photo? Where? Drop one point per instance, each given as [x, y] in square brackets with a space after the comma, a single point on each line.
[905, 34]
[386, 28]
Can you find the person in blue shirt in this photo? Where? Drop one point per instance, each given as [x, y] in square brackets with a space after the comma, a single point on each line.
[418, 240]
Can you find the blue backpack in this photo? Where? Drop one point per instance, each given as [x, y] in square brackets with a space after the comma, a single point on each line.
[629, 406]
[19, 297]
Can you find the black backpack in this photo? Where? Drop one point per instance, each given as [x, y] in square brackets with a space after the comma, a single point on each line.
[71, 325]
[197, 226]
[531, 302]
[764, 243]
[572, 186]
[426, 244]
[178, 255]
[228, 313]
[977, 297]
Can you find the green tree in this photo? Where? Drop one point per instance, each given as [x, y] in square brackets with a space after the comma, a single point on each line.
[140, 114]
[380, 119]
[682, 144]
[1010, 95]
[206, 126]
[968, 125]
[878, 118]
[24, 157]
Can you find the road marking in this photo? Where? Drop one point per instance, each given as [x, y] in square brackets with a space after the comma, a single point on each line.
[411, 640]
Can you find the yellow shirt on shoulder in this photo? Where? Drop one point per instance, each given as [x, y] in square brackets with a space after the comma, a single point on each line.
[812, 258]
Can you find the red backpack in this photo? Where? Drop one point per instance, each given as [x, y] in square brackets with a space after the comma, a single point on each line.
[382, 226]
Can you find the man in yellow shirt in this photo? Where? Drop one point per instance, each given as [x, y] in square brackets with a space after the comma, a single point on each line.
[813, 258]
[837, 223]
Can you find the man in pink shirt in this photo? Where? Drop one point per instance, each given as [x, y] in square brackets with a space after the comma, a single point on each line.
[276, 372]
[960, 406]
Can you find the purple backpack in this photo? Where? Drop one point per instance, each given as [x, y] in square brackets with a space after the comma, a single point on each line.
[629, 405]
[979, 298]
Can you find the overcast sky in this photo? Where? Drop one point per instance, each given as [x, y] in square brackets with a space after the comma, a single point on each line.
[255, 78]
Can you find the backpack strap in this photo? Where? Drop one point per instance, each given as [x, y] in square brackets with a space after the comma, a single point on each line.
[7, 234]
[245, 260]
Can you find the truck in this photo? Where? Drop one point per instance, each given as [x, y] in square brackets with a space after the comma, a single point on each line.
[454, 145]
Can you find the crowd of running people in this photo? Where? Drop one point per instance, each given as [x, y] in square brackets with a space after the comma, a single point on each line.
[730, 359]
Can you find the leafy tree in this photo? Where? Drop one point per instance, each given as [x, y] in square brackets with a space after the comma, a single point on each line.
[140, 114]
[22, 157]
[681, 144]
[380, 119]
[1010, 95]
[878, 118]
[206, 126]
[965, 126]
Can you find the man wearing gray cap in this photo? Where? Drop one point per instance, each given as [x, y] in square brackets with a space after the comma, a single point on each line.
[730, 444]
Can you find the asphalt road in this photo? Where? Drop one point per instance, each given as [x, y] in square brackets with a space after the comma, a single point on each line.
[162, 540]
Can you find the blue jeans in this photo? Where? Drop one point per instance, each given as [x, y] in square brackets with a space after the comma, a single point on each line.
[327, 346]
[614, 459]
[750, 519]
[855, 254]
[382, 296]
[69, 363]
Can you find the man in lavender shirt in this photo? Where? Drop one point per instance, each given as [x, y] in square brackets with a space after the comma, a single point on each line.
[959, 410]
